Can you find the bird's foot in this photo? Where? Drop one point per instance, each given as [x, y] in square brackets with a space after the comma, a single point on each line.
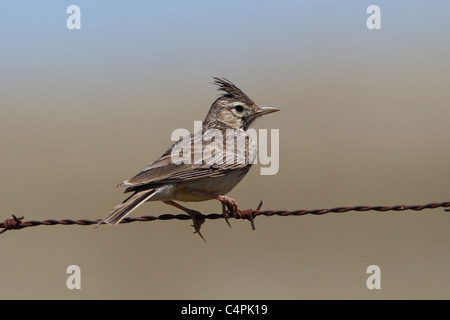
[198, 219]
[230, 205]
[225, 215]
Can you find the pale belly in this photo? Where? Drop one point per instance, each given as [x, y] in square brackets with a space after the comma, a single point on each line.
[183, 191]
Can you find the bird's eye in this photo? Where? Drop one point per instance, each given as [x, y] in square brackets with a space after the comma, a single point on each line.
[239, 108]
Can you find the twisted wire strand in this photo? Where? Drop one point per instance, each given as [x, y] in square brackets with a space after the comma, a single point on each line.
[16, 223]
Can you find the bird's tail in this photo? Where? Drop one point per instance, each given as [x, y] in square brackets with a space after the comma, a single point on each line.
[122, 210]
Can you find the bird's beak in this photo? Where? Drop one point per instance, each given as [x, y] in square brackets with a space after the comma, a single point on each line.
[267, 110]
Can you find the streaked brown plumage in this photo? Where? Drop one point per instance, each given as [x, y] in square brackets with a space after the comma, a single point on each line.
[167, 180]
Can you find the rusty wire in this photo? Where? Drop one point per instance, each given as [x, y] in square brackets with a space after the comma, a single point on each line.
[17, 223]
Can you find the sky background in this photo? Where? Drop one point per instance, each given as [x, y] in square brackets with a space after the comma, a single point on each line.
[364, 121]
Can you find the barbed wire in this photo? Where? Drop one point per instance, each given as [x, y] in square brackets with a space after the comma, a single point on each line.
[17, 223]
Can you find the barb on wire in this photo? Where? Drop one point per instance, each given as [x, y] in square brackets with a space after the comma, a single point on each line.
[17, 223]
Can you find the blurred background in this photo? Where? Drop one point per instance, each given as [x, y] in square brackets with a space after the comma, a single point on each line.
[364, 121]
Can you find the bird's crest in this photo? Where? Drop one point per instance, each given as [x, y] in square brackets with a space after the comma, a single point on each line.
[231, 91]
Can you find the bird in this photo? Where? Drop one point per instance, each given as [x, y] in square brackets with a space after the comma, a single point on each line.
[209, 167]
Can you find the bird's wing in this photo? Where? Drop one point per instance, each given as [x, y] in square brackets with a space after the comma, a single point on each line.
[190, 159]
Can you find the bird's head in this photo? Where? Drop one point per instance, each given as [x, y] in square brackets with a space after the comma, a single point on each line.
[233, 109]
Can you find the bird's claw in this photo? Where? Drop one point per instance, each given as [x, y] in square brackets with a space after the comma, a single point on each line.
[225, 213]
[198, 219]
[232, 208]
